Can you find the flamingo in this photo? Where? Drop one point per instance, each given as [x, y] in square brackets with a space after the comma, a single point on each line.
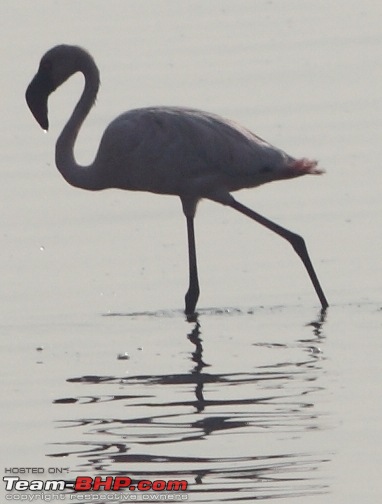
[167, 150]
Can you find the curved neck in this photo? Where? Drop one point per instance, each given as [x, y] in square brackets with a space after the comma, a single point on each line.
[75, 174]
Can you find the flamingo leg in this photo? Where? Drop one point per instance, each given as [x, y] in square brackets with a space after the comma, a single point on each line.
[294, 239]
[192, 294]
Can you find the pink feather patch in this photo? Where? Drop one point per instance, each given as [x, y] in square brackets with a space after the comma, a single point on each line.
[304, 166]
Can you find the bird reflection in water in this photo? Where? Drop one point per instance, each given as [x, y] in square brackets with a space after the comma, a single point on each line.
[157, 427]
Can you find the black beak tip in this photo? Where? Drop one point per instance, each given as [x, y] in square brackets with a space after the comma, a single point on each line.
[37, 100]
[44, 123]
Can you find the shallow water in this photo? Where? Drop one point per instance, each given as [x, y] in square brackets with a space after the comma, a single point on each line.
[264, 396]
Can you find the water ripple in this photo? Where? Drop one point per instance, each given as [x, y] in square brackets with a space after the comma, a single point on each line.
[193, 425]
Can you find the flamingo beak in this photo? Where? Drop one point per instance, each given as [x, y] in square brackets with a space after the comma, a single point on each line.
[37, 95]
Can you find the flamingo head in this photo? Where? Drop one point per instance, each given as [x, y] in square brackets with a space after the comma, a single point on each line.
[56, 66]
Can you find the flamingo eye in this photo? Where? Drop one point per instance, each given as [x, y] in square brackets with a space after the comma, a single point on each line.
[46, 65]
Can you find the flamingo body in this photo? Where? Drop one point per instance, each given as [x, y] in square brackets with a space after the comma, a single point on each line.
[187, 152]
[165, 150]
